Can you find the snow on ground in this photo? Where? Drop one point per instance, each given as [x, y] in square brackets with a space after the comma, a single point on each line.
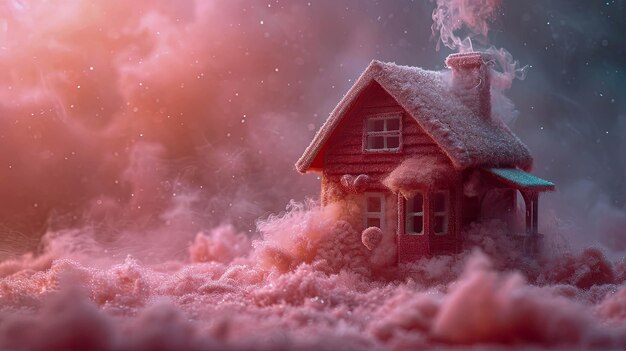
[309, 283]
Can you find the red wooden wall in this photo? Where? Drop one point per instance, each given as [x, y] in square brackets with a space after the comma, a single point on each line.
[344, 155]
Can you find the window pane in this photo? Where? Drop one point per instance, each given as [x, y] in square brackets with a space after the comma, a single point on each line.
[416, 224]
[439, 201]
[393, 124]
[393, 142]
[416, 203]
[375, 125]
[440, 225]
[373, 222]
[374, 204]
[375, 142]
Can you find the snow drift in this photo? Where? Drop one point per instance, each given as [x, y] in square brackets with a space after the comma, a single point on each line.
[309, 283]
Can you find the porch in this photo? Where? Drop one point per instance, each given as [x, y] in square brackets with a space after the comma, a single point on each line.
[530, 187]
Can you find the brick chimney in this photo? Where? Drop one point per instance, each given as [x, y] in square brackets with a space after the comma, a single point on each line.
[471, 82]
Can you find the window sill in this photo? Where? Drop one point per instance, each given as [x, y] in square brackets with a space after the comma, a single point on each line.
[382, 151]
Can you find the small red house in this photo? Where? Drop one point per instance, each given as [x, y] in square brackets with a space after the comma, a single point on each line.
[420, 154]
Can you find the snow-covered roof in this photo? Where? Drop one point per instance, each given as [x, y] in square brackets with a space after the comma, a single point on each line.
[468, 139]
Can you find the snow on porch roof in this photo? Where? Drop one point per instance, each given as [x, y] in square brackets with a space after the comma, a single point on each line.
[468, 140]
[520, 179]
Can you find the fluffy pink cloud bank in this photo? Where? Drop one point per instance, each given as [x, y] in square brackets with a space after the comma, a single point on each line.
[309, 283]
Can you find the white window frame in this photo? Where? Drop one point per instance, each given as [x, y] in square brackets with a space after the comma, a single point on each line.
[378, 215]
[386, 134]
[409, 214]
[445, 213]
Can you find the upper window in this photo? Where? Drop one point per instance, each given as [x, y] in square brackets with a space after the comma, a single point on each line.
[441, 211]
[382, 133]
[374, 210]
[415, 214]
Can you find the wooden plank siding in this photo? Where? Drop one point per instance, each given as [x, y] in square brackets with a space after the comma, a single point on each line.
[344, 154]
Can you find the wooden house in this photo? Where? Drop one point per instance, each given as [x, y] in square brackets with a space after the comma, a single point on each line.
[420, 155]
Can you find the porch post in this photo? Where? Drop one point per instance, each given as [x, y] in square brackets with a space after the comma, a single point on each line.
[531, 240]
[534, 239]
[528, 205]
[535, 213]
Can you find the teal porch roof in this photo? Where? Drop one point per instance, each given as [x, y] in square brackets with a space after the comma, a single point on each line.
[519, 179]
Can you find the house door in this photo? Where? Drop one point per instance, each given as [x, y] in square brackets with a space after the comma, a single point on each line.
[413, 238]
[441, 226]
[426, 225]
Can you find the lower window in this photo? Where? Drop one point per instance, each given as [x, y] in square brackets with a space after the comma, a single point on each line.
[415, 214]
[432, 207]
[374, 210]
[440, 211]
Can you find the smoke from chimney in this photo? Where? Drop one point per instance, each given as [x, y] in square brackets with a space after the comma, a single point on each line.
[471, 81]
